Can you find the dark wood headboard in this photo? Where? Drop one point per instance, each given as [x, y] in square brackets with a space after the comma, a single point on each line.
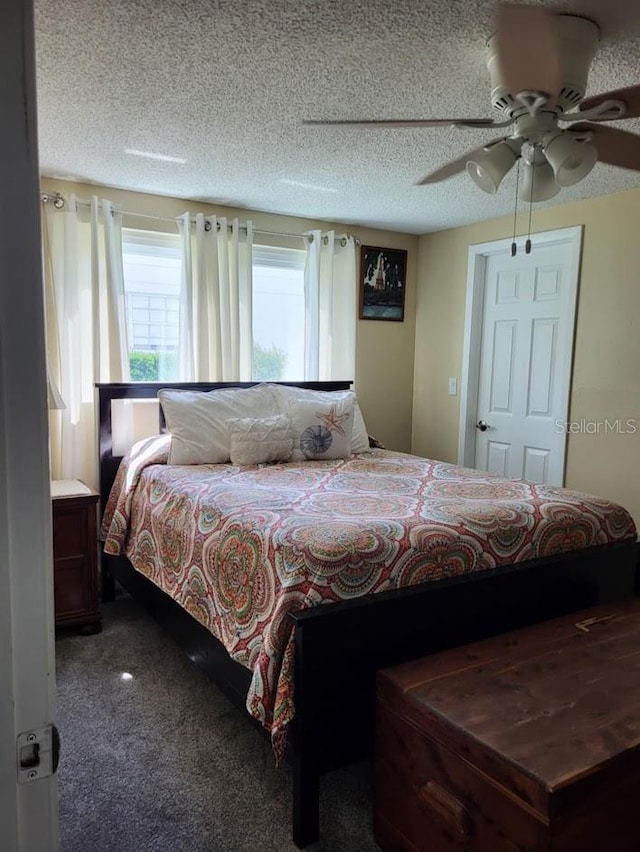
[149, 390]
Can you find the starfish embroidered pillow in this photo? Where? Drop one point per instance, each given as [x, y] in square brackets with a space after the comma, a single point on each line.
[321, 430]
[285, 393]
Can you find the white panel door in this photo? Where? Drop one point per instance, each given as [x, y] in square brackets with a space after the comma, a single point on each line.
[525, 362]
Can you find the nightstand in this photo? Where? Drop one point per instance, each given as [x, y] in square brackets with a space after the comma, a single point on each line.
[75, 555]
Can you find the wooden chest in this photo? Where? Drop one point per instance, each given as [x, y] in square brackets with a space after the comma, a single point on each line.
[527, 741]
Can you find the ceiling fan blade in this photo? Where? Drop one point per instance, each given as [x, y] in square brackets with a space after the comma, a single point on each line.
[410, 122]
[528, 50]
[629, 96]
[454, 167]
[615, 147]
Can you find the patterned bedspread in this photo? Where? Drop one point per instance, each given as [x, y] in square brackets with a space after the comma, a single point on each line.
[240, 547]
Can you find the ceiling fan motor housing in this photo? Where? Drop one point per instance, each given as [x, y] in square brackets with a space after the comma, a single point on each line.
[578, 40]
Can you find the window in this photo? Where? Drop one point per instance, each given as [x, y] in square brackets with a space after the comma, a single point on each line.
[152, 280]
[278, 314]
[152, 274]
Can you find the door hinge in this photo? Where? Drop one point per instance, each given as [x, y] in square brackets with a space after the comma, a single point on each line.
[37, 754]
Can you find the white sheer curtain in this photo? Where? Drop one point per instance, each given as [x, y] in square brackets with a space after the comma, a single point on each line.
[216, 341]
[330, 302]
[86, 324]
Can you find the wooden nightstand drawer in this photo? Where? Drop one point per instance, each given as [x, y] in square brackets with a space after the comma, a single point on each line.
[69, 532]
[72, 595]
[75, 552]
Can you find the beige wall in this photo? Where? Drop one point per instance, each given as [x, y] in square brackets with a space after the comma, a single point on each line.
[606, 375]
[384, 350]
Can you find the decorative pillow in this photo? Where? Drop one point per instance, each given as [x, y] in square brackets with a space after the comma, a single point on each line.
[359, 437]
[197, 421]
[321, 430]
[256, 440]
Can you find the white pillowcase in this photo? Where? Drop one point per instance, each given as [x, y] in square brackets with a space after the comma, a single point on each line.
[321, 430]
[257, 440]
[359, 436]
[197, 420]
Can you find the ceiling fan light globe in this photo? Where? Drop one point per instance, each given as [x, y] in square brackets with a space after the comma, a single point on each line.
[571, 159]
[482, 178]
[489, 166]
[539, 182]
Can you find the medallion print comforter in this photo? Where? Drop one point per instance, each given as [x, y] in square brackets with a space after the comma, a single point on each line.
[240, 547]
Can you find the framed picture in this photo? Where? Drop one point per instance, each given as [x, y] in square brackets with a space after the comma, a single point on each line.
[383, 279]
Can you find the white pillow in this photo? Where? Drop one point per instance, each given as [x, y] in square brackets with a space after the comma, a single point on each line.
[196, 420]
[359, 436]
[256, 440]
[321, 430]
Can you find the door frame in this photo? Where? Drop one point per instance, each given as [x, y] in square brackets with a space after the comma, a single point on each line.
[28, 806]
[473, 322]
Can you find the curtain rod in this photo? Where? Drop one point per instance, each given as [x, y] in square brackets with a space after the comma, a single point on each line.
[58, 200]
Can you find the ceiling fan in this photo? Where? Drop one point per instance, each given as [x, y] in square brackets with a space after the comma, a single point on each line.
[538, 63]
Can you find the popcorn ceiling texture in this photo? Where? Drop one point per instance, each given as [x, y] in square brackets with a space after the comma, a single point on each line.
[226, 87]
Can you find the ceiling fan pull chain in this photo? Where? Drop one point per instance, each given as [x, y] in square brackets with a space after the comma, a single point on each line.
[527, 245]
[514, 247]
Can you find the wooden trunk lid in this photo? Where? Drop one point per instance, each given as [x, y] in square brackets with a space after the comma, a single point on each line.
[550, 713]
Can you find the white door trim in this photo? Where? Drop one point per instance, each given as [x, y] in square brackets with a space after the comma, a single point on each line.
[471, 349]
[28, 809]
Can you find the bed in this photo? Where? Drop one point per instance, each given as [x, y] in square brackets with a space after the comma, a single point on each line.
[311, 682]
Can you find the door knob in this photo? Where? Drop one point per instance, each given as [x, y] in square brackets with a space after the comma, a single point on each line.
[482, 426]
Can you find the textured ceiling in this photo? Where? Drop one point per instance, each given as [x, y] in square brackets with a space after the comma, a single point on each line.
[225, 86]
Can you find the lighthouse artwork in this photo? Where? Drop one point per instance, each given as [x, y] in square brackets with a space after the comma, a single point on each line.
[382, 283]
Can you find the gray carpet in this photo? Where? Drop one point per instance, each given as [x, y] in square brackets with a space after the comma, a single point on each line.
[163, 762]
